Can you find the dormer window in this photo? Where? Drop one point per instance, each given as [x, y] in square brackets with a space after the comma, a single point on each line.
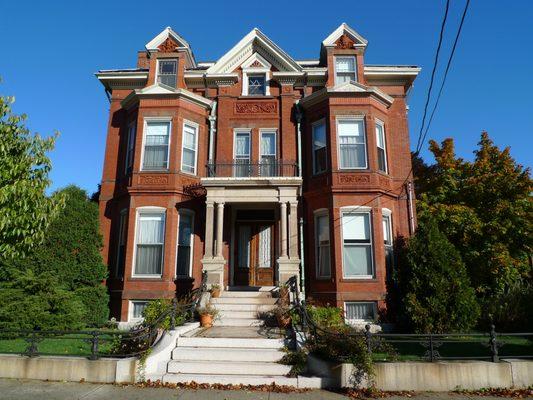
[256, 85]
[166, 72]
[345, 70]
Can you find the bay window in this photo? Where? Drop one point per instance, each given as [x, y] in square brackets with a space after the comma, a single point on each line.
[156, 145]
[357, 244]
[121, 243]
[130, 147]
[322, 246]
[167, 72]
[319, 147]
[345, 70]
[189, 148]
[185, 241]
[382, 152]
[352, 143]
[150, 243]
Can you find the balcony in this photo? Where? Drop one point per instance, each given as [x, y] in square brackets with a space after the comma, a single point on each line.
[243, 168]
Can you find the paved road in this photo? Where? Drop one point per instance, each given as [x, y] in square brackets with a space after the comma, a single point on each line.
[13, 389]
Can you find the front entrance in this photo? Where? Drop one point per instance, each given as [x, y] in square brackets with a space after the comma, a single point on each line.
[254, 253]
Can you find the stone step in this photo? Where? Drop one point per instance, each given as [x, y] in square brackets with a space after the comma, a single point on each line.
[243, 300]
[254, 380]
[253, 343]
[226, 354]
[239, 314]
[245, 307]
[251, 288]
[238, 322]
[227, 294]
[228, 368]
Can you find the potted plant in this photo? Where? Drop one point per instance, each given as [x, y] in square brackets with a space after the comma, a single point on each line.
[283, 316]
[207, 316]
[215, 290]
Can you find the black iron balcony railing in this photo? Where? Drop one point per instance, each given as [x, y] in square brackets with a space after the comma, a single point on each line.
[244, 168]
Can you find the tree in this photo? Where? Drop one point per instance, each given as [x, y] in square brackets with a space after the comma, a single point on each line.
[434, 285]
[71, 253]
[25, 210]
[485, 209]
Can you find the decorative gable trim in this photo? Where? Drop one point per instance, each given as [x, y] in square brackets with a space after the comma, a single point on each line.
[169, 41]
[256, 62]
[163, 91]
[349, 33]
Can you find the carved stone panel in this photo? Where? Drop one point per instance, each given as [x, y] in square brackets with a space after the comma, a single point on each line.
[153, 180]
[249, 107]
[168, 46]
[353, 179]
[344, 42]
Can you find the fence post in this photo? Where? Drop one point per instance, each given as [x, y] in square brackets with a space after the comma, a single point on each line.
[173, 314]
[493, 343]
[94, 345]
[368, 339]
[431, 348]
[32, 349]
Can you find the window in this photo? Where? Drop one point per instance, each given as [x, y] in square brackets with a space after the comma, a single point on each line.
[256, 85]
[267, 154]
[387, 241]
[358, 311]
[242, 154]
[156, 145]
[345, 70]
[121, 243]
[185, 240]
[319, 147]
[137, 307]
[150, 243]
[322, 246]
[352, 147]
[166, 72]
[189, 148]
[132, 132]
[357, 245]
[380, 140]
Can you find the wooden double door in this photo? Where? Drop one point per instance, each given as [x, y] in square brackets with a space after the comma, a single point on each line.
[254, 254]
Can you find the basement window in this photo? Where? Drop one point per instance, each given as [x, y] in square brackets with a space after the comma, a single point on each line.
[360, 311]
[136, 309]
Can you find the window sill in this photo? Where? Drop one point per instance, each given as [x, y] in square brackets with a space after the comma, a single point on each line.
[255, 96]
[146, 278]
[359, 280]
[151, 171]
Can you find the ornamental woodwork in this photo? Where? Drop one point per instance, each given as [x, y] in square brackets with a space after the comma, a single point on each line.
[168, 46]
[256, 108]
[344, 42]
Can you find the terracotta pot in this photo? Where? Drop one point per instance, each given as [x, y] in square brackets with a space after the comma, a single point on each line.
[215, 293]
[283, 320]
[206, 320]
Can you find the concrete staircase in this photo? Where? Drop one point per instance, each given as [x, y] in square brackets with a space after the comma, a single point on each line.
[243, 308]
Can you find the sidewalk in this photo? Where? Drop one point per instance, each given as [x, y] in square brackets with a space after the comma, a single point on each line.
[12, 389]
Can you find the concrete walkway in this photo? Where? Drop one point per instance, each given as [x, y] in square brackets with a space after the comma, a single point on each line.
[12, 389]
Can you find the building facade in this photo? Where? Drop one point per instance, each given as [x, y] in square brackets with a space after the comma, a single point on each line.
[255, 168]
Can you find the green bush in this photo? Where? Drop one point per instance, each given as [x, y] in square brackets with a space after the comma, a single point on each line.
[434, 286]
[93, 299]
[323, 316]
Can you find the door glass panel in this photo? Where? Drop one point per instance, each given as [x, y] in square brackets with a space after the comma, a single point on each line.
[265, 239]
[243, 248]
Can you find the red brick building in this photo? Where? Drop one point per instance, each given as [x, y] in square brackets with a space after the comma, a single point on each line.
[255, 168]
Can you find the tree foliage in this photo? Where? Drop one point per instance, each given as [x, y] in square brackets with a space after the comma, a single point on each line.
[434, 285]
[25, 210]
[485, 209]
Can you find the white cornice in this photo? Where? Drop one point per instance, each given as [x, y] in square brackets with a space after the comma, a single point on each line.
[347, 89]
[344, 28]
[392, 71]
[162, 91]
[122, 79]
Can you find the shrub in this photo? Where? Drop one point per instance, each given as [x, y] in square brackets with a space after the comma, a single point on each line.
[94, 298]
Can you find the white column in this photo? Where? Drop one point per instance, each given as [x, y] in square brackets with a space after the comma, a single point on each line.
[220, 225]
[283, 228]
[209, 222]
[293, 231]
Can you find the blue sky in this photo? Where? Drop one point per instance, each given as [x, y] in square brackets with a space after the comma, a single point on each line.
[52, 49]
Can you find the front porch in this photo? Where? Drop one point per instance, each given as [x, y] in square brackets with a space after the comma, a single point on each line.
[251, 230]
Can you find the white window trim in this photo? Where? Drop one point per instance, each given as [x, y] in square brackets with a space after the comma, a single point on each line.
[130, 310]
[359, 321]
[132, 124]
[138, 211]
[382, 124]
[319, 213]
[123, 214]
[157, 68]
[335, 66]
[192, 214]
[242, 130]
[255, 71]
[196, 126]
[319, 122]
[268, 130]
[145, 125]
[357, 118]
[361, 210]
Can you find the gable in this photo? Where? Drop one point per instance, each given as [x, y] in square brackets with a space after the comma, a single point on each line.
[345, 37]
[258, 43]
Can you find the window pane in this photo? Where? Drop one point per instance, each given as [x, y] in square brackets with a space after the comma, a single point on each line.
[149, 258]
[188, 161]
[380, 137]
[150, 229]
[265, 251]
[319, 147]
[156, 145]
[268, 144]
[352, 146]
[189, 137]
[356, 226]
[138, 308]
[256, 85]
[184, 244]
[167, 72]
[323, 249]
[150, 240]
[242, 144]
[185, 229]
[386, 230]
[360, 311]
[382, 165]
[357, 260]
[345, 64]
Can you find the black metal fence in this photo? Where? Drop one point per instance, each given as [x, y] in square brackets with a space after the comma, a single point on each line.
[98, 343]
[245, 168]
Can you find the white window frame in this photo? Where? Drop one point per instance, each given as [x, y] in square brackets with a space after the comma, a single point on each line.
[146, 121]
[360, 321]
[138, 212]
[358, 210]
[270, 131]
[249, 133]
[196, 127]
[313, 126]
[122, 232]
[381, 124]
[130, 147]
[130, 310]
[335, 68]
[323, 212]
[192, 214]
[356, 118]
[157, 70]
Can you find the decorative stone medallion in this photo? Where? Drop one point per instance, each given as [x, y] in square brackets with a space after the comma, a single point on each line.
[270, 107]
[153, 180]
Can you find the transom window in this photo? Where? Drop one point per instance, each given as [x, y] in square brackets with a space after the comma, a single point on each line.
[166, 72]
[150, 243]
[256, 85]
[357, 244]
[382, 152]
[345, 70]
[352, 146]
[156, 141]
[189, 148]
[360, 311]
[323, 261]
[319, 147]
[185, 238]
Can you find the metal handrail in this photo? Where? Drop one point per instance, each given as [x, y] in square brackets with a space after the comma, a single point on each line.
[245, 168]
